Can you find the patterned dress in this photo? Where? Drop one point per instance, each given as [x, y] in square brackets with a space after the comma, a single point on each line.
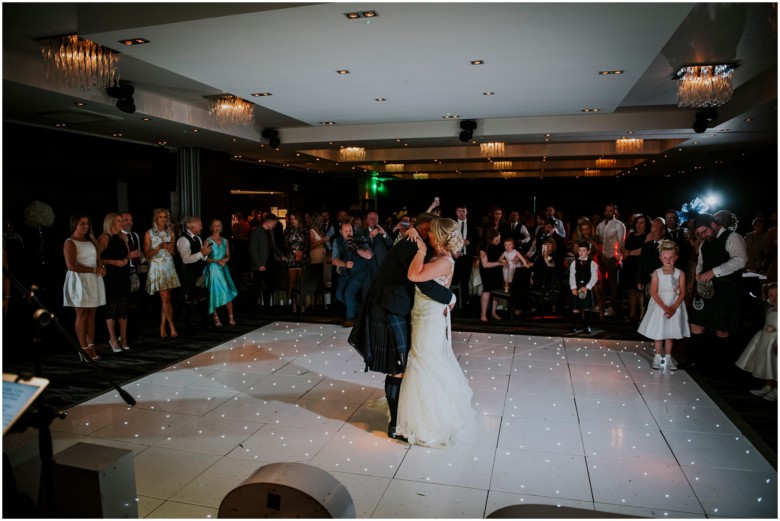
[84, 290]
[218, 279]
[162, 270]
[295, 239]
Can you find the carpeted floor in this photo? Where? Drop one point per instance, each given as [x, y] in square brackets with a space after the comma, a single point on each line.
[73, 381]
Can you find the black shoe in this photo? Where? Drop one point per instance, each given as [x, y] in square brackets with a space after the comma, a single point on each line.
[587, 330]
[391, 434]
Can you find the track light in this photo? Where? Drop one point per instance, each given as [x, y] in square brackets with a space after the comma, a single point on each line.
[272, 136]
[703, 120]
[124, 94]
[467, 130]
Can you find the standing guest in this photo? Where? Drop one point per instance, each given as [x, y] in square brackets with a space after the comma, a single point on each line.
[722, 258]
[263, 253]
[464, 261]
[629, 273]
[583, 276]
[296, 249]
[666, 319]
[139, 267]
[560, 228]
[382, 335]
[193, 253]
[517, 230]
[755, 243]
[490, 270]
[760, 355]
[84, 289]
[351, 258]
[679, 235]
[495, 220]
[222, 291]
[115, 254]
[162, 278]
[379, 239]
[613, 235]
[546, 271]
[239, 231]
[317, 253]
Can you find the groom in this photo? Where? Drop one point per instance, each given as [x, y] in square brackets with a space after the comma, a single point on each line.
[382, 332]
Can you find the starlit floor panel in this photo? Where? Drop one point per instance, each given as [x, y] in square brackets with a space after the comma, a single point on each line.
[570, 422]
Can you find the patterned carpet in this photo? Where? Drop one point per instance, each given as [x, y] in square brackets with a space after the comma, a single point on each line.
[73, 381]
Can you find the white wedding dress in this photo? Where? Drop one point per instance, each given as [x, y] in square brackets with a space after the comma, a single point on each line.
[435, 398]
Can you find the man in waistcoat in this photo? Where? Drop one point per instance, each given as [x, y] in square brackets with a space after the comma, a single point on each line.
[722, 259]
[263, 253]
[193, 251]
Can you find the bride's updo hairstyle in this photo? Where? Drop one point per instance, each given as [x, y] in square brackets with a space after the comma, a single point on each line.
[445, 231]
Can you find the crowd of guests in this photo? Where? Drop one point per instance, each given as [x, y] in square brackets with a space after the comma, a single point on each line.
[593, 269]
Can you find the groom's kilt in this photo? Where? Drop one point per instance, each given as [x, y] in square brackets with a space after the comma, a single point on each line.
[381, 338]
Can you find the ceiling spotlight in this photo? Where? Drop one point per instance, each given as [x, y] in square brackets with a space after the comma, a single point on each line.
[124, 95]
[703, 120]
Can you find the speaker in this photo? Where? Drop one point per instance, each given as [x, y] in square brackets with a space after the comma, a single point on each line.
[272, 136]
[467, 130]
[288, 490]
[124, 94]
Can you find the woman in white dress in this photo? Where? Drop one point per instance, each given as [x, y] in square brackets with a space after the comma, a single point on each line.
[83, 290]
[435, 398]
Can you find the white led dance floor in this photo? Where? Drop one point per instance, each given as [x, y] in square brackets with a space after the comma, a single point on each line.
[571, 422]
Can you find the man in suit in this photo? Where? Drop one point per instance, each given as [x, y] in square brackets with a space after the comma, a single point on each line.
[263, 253]
[382, 333]
[517, 231]
[140, 267]
[463, 263]
[193, 251]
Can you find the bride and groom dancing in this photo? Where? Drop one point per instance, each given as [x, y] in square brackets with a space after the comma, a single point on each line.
[428, 396]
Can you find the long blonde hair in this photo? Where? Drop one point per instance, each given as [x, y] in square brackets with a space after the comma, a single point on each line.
[155, 213]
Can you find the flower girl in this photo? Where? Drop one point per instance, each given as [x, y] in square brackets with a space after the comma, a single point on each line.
[760, 355]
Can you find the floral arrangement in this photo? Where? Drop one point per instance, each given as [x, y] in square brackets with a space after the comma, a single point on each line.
[38, 215]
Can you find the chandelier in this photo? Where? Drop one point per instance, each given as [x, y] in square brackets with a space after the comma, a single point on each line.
[502, 165]
[491, 149]
[591, 172]
[231, 111]
[78, 62]
[352, 154]
[394, 167]
[626, 145]
[704, 85]
[606, 163]
[420, 175]
[509, 175]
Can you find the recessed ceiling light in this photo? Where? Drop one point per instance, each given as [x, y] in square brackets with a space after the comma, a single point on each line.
[162, 142]
[380, 99]
[80, 104]
[607, 73]
[590, 110]
[488, 93]
[146, 119]
[134, 41]
[259, 94]
[450, 116]
[196, 130]
[477, 62]
[327, 122]
[352, 16]
[342, 71]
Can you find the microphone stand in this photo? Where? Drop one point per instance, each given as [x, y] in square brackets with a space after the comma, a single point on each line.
[43, 414]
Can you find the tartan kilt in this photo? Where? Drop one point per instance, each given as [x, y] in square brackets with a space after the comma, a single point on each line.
[381, 338]
[722, 312]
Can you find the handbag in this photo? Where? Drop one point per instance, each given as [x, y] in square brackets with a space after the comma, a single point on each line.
[135, 282]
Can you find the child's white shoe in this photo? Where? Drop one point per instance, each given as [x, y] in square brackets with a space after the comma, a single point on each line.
[669, 363]
[771, 395]
[656, 362]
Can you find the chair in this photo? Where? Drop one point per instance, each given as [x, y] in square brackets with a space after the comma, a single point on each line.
[499, 294]
[308, 284]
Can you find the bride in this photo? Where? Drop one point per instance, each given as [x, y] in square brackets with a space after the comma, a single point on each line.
[435, 398]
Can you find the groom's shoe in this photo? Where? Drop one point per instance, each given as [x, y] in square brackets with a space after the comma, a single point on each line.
[391, 433]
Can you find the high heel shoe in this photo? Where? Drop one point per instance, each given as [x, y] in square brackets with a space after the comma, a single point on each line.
[88, 352]
[114, 347]
[231, 321]
[174, 333]
[217, 322]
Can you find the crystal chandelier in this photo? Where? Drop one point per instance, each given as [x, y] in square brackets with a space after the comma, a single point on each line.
[606, 163]
[78, 62]
[502, 165]
[420, 175]
[231, 111]
[704, 85]
[491, 149]
[394, 167]
[626, 145]
[509, 175]
[592, 172]
[352, 154]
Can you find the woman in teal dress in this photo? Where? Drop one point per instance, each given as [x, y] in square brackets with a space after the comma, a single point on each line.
[222, 291]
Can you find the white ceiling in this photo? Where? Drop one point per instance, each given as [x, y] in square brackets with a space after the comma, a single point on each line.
[541, 62]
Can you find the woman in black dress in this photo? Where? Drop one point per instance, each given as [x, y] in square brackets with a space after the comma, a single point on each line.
[115, 253]
[490, 270]
[632, 248]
